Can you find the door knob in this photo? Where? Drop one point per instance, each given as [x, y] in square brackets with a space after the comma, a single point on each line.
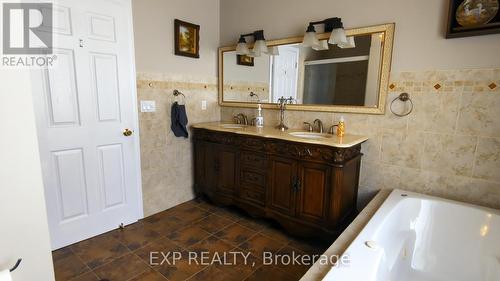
[127, 132]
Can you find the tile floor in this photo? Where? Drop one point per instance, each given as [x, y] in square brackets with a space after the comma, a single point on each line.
[191, 228]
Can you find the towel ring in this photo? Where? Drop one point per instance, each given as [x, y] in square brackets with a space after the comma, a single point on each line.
[404, 97]
[177, 93]
[252, 94]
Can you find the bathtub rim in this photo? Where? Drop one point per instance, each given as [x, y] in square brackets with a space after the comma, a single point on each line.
[370, 217]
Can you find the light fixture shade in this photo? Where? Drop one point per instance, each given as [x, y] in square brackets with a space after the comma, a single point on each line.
[338, 36]
[242, 49]
[252, 54]
[260, 47]
[321, 46]
[273, 51]
[350, 43]
[310, 39]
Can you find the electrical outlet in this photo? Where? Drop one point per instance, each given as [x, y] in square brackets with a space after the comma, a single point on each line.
[148, 106]
[203, 105]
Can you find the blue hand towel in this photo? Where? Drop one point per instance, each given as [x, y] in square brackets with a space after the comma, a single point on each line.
[179, 120]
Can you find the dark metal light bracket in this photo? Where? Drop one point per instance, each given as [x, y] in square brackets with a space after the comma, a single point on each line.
[257, 35]
[330, 24]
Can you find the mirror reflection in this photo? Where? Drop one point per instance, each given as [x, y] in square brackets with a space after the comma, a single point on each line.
[326, 75]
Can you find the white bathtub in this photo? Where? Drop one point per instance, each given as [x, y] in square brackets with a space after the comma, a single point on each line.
[417, 237]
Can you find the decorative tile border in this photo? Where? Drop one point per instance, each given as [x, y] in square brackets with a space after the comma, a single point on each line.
[162, 85]
[447, 81]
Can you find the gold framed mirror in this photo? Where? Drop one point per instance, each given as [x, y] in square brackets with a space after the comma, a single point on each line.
[334, 79]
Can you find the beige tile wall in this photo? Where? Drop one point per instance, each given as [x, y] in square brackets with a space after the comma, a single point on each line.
[449, 146]
[166, 159]
[240, 91]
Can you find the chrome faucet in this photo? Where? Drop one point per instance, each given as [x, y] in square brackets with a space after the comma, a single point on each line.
[320, 125]
[241, 119]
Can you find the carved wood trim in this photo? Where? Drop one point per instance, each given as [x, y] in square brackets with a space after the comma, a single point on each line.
[284, 148]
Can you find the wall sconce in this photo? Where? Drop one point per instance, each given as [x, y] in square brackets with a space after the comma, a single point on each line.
[259, 46]
[337, 36]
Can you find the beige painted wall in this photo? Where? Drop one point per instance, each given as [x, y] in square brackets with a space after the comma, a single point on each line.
[166, 160]
[24, 230]
[154, 36]
[420, 27]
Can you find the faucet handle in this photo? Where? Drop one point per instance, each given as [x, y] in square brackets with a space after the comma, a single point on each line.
[309, 126]
[252, 121]
[332, 129]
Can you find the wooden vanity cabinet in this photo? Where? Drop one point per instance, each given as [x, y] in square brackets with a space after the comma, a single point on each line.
[311, 190]
[253, 178]
[216, 168]
[283, 179]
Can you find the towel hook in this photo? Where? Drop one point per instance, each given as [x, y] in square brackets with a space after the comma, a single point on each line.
[404, 97]
[177, 93]
[16, 265]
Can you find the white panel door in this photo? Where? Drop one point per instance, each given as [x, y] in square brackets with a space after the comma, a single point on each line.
[91, 169]
[284, 73]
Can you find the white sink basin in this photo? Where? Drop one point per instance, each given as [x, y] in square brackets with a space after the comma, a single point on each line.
[232, 126]
[310, 135]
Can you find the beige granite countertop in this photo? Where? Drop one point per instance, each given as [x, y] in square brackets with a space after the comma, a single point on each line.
[270, 132]
[318, 271]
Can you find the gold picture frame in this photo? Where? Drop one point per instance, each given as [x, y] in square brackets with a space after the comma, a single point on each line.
[245, 60]
[186, 39]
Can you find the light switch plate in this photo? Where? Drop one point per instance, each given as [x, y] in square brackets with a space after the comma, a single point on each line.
[203, 105]
[148, 106]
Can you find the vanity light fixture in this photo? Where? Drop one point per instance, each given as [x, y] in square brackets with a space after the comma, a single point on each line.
[322, 45]
[273, 51]
[259, 47]
[310, 39]
[242, 48]
[350, 43]
[337, 37]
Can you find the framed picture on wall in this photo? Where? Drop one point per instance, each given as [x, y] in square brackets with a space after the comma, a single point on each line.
[244, 60]
[187, 39]
[472, 17]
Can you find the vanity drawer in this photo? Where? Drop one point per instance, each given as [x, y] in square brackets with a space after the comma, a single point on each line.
[253, 161]
[252, 177]
[253, 194]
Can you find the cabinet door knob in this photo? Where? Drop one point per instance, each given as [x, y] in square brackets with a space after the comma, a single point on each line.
[299, 183]
[296, 184]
